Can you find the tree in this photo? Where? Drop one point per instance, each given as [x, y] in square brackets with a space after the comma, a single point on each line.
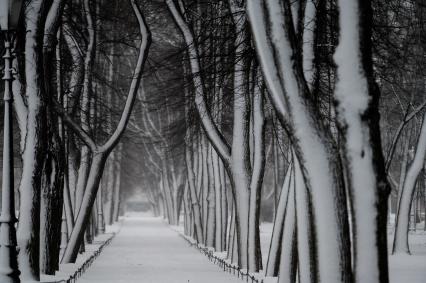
[101, 152]
[361, 163]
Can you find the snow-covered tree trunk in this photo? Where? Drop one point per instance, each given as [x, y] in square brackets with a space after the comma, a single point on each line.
[100, 153]
[167, 189]
[258, 165]
[32, 124]
[166, 204]
[210, 199]
[219, 210]
[404, 163]
[246, 185]
[400, 243]
[74, 86]
[72, 172]
[64, 235]
[85, 154]
[68, 208]
[195, 203]
[273, 261]
[276, 169]
[288, 258]
[163, 198]
[232, 240]
[177, 192]
[230, 235]
[100, 210]
[187, 211]
[277, 50]
[54, 163]
[204, 144]
[89, 234]
[109, 186]
[240, 163]
[198, 170]
[117, 183]
[237, 164]
[68, 212]
[357, 95]
[224, 205]
[304, 223]
[75, 83]
[111, 174]
[51, 215]
[84, 215]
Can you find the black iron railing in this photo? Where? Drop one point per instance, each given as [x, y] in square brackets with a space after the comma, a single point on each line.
[83, 268]
[222, 263]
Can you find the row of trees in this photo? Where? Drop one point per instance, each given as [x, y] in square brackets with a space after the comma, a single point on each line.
[76, 84]
[295, 85]
[246, 104]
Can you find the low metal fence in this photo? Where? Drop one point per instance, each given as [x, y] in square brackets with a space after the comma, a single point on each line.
[223, 264]
[83, 268]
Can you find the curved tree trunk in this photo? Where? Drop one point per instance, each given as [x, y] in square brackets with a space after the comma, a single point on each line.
[273, 261]
[33, 134]
[210, 200]
[277, 49]
[117, 183]
[400, 244]
[288, 260]
[304, 223]
[100, 153]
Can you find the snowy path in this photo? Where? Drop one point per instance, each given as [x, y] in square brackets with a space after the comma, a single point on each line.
[147, 251]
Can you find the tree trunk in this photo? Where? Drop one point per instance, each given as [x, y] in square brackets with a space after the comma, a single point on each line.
[100, 206]
[288, 260]
[193, 191]
[219, 210]
[278, 53]
[273, 262]
[205, 185]
[400, 243]
[109, 185]
[51, 212]
[33, 148]
[83, 218]
[211, 200]
[304, 223]
[117, 184]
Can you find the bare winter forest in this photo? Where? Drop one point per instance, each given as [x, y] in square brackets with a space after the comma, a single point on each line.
[285, 140]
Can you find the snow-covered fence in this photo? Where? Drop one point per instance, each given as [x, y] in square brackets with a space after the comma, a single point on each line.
[224, 264]
[82, 269]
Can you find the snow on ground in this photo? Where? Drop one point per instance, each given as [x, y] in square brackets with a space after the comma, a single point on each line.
[147, 251]
[66, 270]
[409, 268]
[402, 268]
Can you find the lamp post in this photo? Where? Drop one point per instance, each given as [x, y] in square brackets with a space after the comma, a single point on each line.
[10, 10]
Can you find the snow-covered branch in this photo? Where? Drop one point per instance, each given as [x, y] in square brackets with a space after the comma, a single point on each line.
[208, 124]
[137, 76]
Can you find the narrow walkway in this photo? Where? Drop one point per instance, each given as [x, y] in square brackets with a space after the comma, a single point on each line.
[147, 251]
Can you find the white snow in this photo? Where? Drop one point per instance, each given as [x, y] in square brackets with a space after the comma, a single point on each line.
[147, 250]
[68, 269]
[402, 268]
